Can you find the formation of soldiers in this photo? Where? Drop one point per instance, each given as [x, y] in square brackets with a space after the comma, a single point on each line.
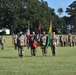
[41, 40]
[20, 41]
[67, 40]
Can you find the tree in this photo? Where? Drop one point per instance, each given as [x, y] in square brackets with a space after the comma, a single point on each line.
[14, 14]
[60, 11]
[71, 10]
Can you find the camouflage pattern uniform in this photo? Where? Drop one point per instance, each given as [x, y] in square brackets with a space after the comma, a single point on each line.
[33, 51]
[53, 44]
[15, 41]
[73, 41]
[20, 43]
[69, 39]
[61, 40]
[43, 46]
[2, 40]
[65, 41]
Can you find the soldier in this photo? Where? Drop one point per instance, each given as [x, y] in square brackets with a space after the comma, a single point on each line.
[73, 40]
[65, 40]
[61, 40]
[2, 40]
[43, 40]
[53, 44]
[20, 43]
[28, 41]
[70, 39]
[32, 38]
[15, 41]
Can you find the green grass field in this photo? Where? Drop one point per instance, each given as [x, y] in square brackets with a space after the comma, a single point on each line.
[64, 63]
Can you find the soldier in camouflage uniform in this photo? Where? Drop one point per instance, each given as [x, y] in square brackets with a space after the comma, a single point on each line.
[70, 39]
[65, 40]
[43, 42]
[20, 43]
[33, 51]
[15, 41]
[61, 40]
[73, 41]
[53, 44]
[2, 41]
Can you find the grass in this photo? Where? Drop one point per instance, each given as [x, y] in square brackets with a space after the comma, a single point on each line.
[64, 63]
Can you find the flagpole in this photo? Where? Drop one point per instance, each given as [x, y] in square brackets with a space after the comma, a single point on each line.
[39, 27]
[28, 23]
[50, 29]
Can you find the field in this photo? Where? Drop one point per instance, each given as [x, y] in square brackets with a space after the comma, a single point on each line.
[64, 63]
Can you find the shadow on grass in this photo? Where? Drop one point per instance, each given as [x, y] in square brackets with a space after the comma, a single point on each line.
[15, 57]
[26, 56]
[34, 56]
[9, 57]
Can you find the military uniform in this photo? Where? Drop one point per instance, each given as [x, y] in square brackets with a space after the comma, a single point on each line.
[73, 41]
[20, 43]
[15, 41]
[61, 40]
[2, 40]
[70, 40]
[43, 40]
[53, 44]
[32, 38]
[65, 41]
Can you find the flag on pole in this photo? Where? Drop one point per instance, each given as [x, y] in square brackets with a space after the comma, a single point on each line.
[35, 44]
[39, 28]
[50, 29]
[28, 41]
[49, 35]
[28, 36]
[28, 31]
[48, 40]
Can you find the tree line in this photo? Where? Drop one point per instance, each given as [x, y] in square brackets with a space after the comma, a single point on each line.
[15, 14]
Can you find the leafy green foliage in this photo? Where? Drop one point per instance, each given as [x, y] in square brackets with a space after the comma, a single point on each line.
[60, 11]
[71, 10]
[15, 14]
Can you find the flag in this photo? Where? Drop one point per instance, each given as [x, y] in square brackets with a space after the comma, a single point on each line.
[49, 35]
[28, 36]
[35, 44]
[39, 28]
[50, 29]
[28, 31]
[48, 40]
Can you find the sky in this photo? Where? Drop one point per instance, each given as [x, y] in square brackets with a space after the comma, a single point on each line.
[59, 4]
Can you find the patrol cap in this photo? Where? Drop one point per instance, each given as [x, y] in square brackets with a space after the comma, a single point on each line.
[33, 32]
[20, 32]
[44, 32]
[69, 34]
[53, 32]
